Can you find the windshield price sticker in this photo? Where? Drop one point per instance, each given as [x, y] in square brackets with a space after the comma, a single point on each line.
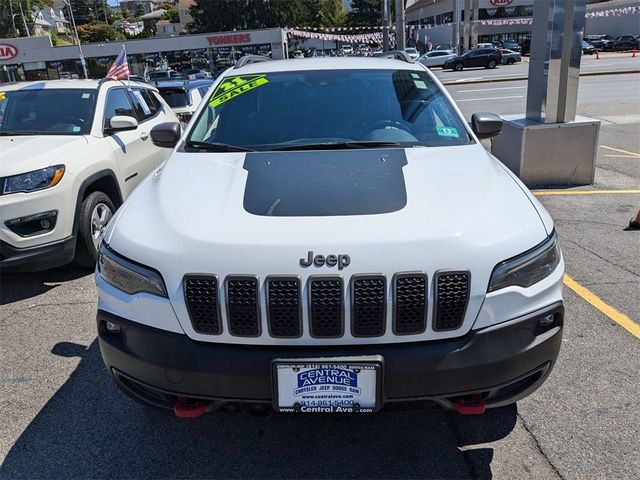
[327, 388]
[447, 131]
[235, 86]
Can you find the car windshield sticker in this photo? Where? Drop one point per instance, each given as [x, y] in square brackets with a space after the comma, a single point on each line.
[76, 129]
[447, 131]
[2, 96]
[420, 84]
[86, 95]
[143, 104]
[234, 86]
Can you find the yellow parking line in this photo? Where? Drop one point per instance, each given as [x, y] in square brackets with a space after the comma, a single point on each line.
[582, 192]
[620, 318]
[633, 154]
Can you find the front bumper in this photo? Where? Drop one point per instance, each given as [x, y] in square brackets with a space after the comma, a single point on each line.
[504, 362]
[40, 257]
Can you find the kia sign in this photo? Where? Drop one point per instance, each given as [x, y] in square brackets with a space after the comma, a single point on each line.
[500, 3]
[7, 52]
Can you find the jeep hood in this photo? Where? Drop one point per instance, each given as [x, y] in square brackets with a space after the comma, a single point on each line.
[21, 154]
[431, 209]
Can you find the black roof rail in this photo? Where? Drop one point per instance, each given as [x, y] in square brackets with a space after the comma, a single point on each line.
[398, 55]
[247, 59]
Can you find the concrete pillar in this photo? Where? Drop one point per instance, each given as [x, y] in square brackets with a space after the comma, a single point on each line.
[401, 43]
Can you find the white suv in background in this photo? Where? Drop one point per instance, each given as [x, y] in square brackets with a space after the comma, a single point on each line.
[71, 151]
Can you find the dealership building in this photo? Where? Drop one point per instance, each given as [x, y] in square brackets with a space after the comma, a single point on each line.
[507, 20]
[35, 58]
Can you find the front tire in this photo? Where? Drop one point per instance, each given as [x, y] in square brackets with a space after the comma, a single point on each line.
[95, 213]
[458, 67]
[510, 61]
[491, 64]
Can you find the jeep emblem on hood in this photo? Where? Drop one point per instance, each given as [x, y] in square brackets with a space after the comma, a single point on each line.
[341, 261]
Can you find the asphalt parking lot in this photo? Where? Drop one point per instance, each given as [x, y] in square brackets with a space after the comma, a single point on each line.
[63, 418]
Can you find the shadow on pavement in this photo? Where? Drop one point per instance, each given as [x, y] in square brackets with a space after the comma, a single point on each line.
[90, 429]
[21, 286]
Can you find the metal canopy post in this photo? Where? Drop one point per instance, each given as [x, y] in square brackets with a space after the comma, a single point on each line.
[554, 66]
[550, 145]
[401, 43]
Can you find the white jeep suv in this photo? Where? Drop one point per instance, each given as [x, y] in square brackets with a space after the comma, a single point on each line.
[70, 152]
[329, 235]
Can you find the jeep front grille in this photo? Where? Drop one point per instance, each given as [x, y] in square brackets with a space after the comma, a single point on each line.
[201, 294]
[368, 305]
[325, 307]
[371, 313]
[284, 313]
[452, 296]
[243, 306]
[410, 306]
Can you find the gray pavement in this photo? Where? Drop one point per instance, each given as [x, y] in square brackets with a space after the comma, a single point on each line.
[63, 418]
[608, 62]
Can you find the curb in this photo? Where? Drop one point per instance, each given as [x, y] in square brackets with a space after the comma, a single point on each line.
[525, 77]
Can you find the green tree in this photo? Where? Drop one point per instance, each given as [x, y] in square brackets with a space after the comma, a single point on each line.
[11, 8]
[83, 11]
[365, 13]
[332, 13]
[99, 32]
[171, 14]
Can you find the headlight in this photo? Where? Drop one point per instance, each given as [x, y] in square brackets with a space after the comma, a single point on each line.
[36, 180]
[528, 268]
[128, 276]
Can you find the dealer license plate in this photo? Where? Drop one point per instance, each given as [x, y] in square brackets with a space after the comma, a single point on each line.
[326, 386]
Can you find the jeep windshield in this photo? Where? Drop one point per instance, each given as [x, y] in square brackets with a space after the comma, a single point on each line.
[320, 108]
[47, 111]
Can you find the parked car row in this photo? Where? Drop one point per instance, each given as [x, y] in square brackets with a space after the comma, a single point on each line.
[608, 43]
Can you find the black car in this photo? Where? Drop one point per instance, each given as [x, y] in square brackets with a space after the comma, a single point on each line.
[480, 57]
[512, 46]
[587, 48]
[600, 42]
[525, 46]
[625, 42]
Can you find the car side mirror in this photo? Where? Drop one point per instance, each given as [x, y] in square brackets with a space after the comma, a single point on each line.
[486, 125]
[166, 135]
[121, 123]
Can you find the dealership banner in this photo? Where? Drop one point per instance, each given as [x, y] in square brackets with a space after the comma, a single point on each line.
[374, 37]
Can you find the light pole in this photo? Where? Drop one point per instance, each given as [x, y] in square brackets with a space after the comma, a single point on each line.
[75, 30]
[13, 20]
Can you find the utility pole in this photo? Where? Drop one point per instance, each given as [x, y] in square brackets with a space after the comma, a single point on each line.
[385, 25]
[13, 18]
[401, 43]
[73, 23]
[23, 19]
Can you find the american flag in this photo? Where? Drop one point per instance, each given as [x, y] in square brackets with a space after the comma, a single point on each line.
[120, 68]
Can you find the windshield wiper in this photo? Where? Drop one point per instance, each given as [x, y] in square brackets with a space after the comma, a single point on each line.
[216, 147]
[337, 145]
[9, 133]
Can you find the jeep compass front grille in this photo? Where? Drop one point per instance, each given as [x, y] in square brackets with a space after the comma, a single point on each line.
[452, 296]
[243, 306]
[316, 308]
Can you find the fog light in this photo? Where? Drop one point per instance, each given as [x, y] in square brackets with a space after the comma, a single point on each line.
[112, 327]
[36, 224]
[547, 320]
[45, 224]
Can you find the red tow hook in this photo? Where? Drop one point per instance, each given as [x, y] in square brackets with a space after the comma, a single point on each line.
[188, 408]
[475, 406]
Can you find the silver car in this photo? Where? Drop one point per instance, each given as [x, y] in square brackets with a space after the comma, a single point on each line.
[509, 57]
[436, 58]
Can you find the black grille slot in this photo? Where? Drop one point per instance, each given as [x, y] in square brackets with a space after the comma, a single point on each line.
[410, 304]
[242, 306]
[368, 306]
[452, 296]
[283, 307]
[325, 303]
[201, 294]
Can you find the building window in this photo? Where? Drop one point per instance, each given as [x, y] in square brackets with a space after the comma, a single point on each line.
[444, 18]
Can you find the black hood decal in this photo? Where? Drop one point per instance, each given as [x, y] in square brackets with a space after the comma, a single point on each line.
[325, 183]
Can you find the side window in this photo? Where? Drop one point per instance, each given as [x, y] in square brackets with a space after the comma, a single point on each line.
[145, 107]
[118, 103]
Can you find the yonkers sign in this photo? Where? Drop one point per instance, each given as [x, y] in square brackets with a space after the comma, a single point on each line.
[7, 52]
